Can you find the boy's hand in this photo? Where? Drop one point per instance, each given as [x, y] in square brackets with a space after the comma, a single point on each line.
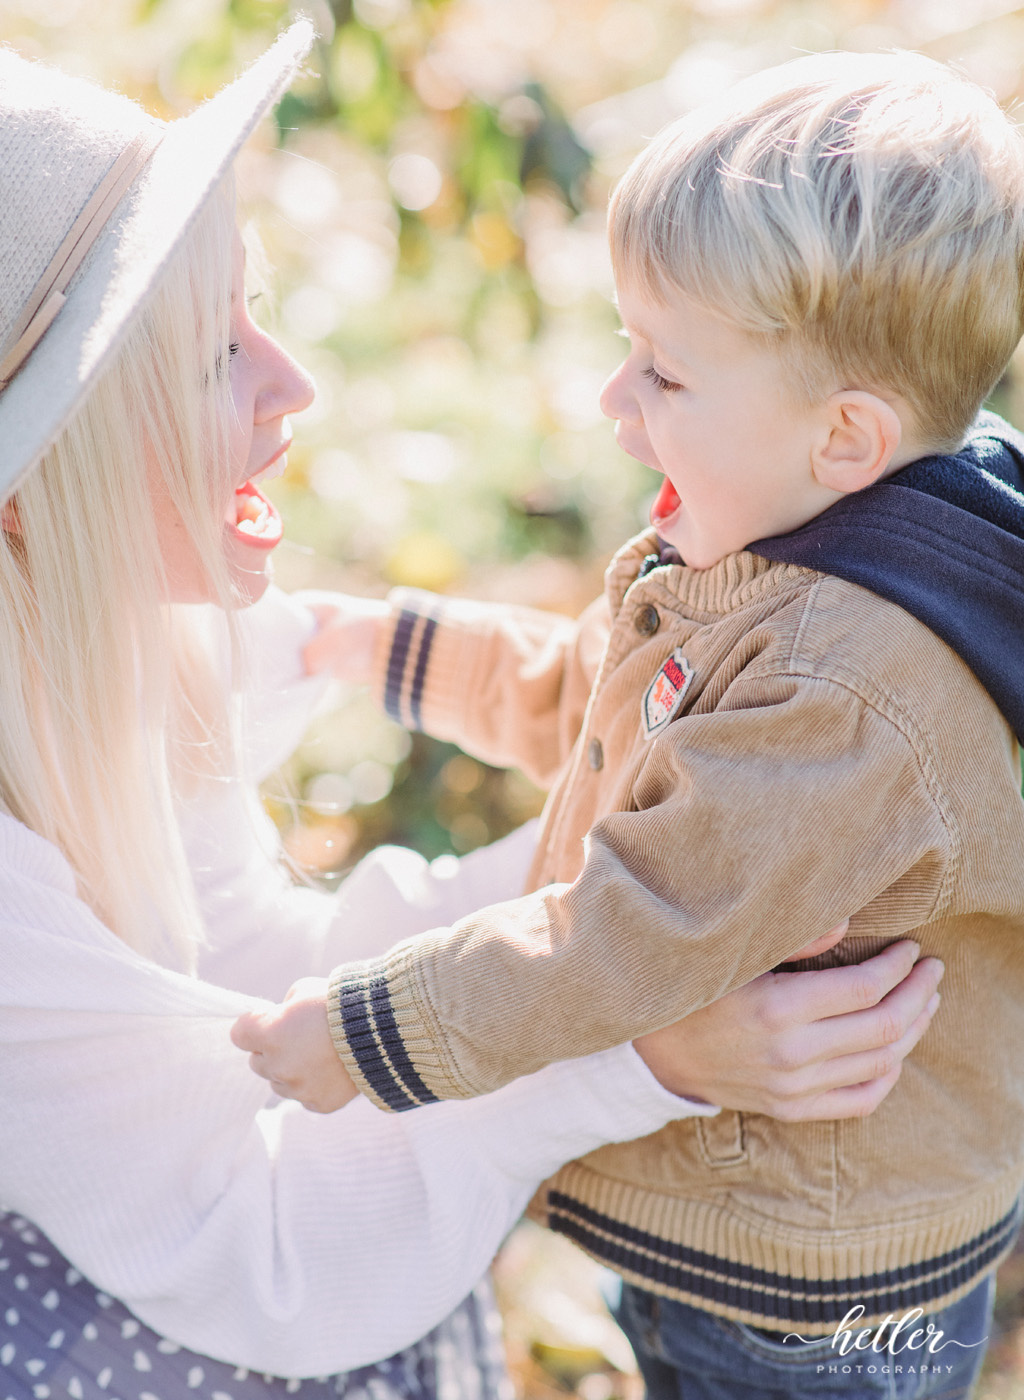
[803, 1045]
[291, 1047]
[346, 640]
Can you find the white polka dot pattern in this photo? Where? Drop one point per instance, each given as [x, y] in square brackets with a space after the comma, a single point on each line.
[63, 1338]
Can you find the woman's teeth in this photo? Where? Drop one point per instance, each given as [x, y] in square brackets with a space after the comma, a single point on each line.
[253, 515]
[277, 468]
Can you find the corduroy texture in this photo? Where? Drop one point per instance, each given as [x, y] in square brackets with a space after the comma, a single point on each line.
[59, 136]
[833, 758]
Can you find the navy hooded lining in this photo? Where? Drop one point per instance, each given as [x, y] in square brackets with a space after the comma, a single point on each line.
[944, 540]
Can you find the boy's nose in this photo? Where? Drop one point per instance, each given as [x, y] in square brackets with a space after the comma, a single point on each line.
[617, 399]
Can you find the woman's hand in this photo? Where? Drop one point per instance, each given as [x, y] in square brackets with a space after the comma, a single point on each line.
[346, 638]
[802, 1045]
[291, 1047]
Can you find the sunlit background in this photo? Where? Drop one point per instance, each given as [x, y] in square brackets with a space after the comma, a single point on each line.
[431, 205]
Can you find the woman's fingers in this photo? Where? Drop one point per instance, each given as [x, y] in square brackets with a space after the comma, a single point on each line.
[881, 1026]
[824, 943]
[850, 1101]
[807, 1087]
[878, 1061]
[837, 991]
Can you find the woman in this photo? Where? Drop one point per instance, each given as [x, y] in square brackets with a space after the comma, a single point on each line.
[141, 906]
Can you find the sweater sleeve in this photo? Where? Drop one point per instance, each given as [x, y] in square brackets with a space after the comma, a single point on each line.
[508, 684]
[137, 1139]
[748, 831]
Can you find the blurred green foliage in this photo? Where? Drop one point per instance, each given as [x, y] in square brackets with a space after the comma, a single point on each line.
[431, 203]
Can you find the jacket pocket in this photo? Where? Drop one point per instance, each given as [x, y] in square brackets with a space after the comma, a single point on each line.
[721, 1140]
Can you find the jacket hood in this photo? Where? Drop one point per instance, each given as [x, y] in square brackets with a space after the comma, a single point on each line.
[944, 540]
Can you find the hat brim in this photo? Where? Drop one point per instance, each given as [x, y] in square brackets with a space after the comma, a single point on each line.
[125, 264]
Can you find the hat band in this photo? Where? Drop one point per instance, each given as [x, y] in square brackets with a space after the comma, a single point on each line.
[48, 295]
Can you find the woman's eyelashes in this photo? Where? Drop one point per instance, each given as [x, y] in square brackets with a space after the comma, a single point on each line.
[219, 366]
[667, 386]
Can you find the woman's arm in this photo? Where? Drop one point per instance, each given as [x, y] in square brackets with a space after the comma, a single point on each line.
[138, 1141]
[287, 1242]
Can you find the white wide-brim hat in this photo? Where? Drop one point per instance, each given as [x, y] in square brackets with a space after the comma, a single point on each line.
[60, 139]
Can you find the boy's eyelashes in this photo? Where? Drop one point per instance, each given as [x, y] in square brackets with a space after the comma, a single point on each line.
[659, 381]
[667, 386]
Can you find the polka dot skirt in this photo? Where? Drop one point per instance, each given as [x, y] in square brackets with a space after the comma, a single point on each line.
[61, 1339]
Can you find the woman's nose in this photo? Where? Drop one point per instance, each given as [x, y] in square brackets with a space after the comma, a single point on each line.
[286, 388]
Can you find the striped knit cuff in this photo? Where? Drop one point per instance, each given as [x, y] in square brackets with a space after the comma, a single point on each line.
[379, 1035]
[406, 666]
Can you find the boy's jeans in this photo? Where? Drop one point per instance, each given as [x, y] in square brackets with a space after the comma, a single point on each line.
[687, 1354]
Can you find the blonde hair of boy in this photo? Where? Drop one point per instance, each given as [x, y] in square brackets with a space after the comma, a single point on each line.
[105, 691]
[863, 214]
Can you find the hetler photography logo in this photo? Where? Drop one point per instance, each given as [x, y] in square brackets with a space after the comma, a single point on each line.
[915, 1347]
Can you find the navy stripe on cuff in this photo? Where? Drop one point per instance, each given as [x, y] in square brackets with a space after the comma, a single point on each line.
[420, 673]
[407, 666]
[396, 664]
[368, 1021]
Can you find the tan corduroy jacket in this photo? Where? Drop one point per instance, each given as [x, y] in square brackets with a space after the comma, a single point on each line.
[741, 757]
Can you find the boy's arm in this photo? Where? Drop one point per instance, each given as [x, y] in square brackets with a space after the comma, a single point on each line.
[508, 684]
[791, 806]
[795, 1045]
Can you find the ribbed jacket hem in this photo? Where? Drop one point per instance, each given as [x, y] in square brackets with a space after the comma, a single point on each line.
[757, 1271]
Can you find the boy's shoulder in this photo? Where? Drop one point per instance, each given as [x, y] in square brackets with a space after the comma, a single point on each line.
[910, 591]
[754, 618]
[943, 540]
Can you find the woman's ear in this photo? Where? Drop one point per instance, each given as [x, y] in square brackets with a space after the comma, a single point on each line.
[861, 437]
[9, 518]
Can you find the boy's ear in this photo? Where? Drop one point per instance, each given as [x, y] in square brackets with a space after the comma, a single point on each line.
[861, 435]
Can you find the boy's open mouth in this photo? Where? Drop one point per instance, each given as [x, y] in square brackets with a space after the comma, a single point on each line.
[666, 503]
[256, 519]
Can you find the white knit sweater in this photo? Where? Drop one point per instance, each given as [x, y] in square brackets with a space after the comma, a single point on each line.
[136, 1138]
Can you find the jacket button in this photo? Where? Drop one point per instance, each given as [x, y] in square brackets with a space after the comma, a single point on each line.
[595, 755]
[647, 620]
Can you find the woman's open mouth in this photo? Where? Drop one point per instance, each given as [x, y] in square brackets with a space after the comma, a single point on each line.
[256, 523]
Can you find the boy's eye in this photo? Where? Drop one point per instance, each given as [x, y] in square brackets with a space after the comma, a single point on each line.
[659, 381]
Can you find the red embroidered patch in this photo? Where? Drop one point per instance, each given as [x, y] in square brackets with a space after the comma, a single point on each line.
[664, 695]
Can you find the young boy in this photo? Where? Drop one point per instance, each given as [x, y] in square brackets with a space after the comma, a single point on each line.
[796, 702]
